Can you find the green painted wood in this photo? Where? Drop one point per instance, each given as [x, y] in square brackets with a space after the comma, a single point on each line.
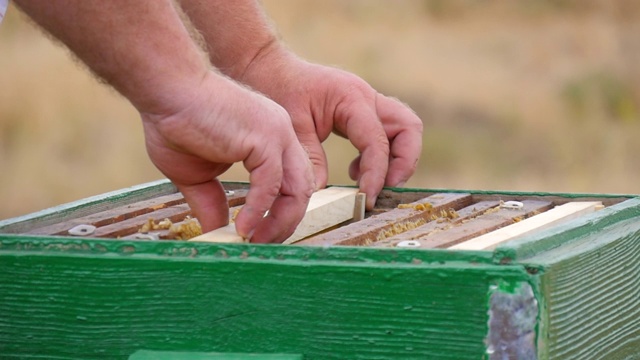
[590, 283]
[74, 298]
[87, 206]
[170, 355]
[545, 240]
[590, 287]
[83, 299]
[520, 194]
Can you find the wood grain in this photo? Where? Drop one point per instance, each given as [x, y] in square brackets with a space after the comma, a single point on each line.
[87, 206]
[108, 306]
[359, 209]
[592, 284]
[542, 221]
[369, 230]
[433, 227]
[126, 220]
[174, 213]
[112, 216]
[190, 355]
[482, 224]
[326, 208]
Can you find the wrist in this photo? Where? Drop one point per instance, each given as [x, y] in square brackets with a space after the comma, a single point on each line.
[248, 57]
[167, 92]
[269, 71]
[180, 97]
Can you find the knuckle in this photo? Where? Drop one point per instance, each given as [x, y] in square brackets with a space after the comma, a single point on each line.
[382, 142]
[417, 125]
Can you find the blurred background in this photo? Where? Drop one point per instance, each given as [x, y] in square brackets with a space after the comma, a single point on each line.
[531, 95]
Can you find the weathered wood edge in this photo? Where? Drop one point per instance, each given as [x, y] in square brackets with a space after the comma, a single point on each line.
[193, 307]
[515, 193]
[551, 218]
[546, 240]
[176, 355]
[588, 293]
[88, 205]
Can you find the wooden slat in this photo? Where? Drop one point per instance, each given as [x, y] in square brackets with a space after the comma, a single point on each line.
[487, 222]
[442, 224]
[327, 207]
[122, 213]
[372, 228]
[84, 207]
[225, 234]
[166, 234]
[360, 207]
[558, 199]
[237, 198]
[113, 215]
[130, 226]
[542, 221]
[175, 213]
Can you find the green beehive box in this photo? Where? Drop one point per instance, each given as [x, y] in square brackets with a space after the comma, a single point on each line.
[569, 291]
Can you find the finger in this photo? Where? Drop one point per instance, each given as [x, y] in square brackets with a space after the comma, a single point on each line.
[290, 206]
[404, 130]
[265, 178]
[364, 130]
[303, 125]
[354, 168]
[315, 153]
[208, 202]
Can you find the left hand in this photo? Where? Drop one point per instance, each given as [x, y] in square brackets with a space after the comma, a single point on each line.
[321, 100]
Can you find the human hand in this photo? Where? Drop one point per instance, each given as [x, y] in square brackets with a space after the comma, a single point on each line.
[196, 122]
[221, 124]
[322, 100]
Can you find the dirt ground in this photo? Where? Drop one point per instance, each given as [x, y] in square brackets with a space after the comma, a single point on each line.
[514, 95]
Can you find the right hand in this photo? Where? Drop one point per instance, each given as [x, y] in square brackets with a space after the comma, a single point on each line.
[223, 123]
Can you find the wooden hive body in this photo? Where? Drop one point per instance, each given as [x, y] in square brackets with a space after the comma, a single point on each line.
[569, 291]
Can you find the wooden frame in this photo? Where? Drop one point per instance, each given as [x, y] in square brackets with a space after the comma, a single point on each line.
[566, 292]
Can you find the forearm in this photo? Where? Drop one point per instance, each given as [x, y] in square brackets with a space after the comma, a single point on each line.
[235, 32]
[141, 48]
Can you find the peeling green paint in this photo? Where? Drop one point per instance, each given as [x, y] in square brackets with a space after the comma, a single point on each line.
[89, 305]
[513, 319]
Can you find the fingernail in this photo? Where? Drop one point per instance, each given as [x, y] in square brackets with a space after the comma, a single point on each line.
[400, 184]
[371, 202]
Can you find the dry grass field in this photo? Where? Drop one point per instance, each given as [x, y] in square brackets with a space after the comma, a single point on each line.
[515, 95]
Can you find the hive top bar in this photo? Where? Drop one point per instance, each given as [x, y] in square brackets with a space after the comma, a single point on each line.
[402, 218]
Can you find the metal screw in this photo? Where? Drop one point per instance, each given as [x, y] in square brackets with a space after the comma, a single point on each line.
[82, 230]
[515, 205]
[409, 244]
